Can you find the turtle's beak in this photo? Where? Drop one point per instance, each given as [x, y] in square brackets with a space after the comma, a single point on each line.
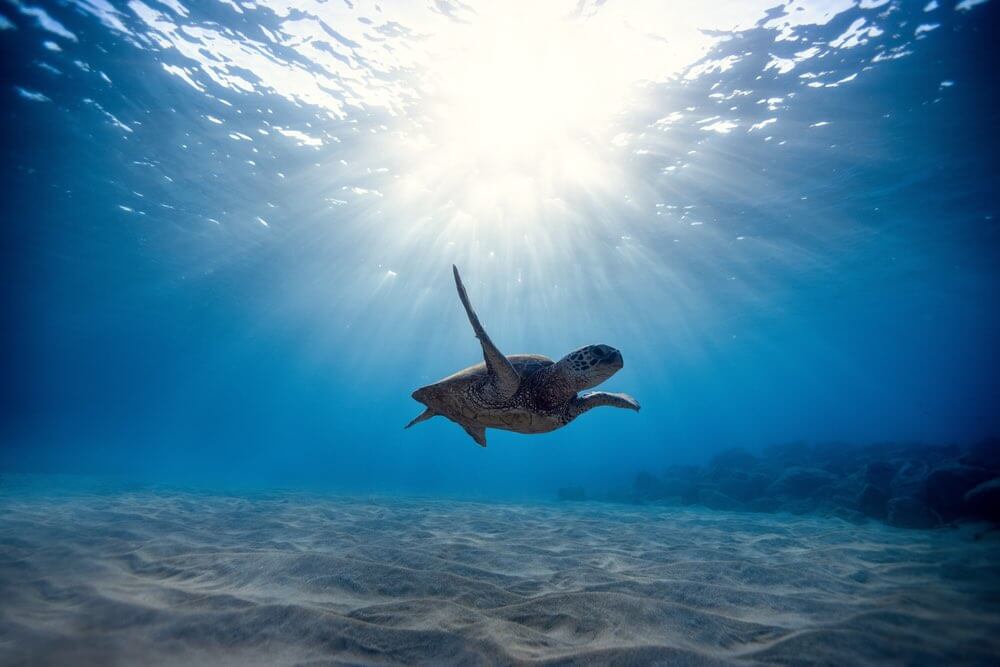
[614, 358]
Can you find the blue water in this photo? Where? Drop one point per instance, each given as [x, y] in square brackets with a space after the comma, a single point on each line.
[228, 231]
[226, 237]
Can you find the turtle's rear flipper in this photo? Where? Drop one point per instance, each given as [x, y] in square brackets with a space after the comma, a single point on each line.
[422, 417]
[478, 434]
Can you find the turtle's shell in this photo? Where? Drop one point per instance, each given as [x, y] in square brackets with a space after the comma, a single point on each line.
[525, 365]
[451, 397]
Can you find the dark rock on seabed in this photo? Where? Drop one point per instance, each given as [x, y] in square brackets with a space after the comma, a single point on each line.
[905, 485]
[946, 487]
[910, 512]
[984, 500]
[873, 501]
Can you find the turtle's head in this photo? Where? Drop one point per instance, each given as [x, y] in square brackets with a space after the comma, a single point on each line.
[590, 366]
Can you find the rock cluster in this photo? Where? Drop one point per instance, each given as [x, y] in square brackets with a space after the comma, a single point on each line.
[905, 485]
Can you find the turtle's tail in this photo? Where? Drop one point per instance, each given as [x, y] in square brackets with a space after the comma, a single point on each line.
[422, 417]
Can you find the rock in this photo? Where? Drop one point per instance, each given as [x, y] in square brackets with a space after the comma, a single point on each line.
[910, 512]
[945, 488]
[846, 500]
[845, 490]
[801, 505]
[620, 496]
[683, 472]
[903, 483]
[572, 493]
[802, 482]
[715, 500]
[690, 493]
[789, 452]
[648, 487]
[743, 485]
[983, 501]
[848, 515]
[840, 458]
[764, 504]
[984, 454]
[938, 455]
[911, 474]
[879, 474]
[873, 502]
[734, 459]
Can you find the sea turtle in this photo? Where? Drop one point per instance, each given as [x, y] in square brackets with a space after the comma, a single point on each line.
[525, 393]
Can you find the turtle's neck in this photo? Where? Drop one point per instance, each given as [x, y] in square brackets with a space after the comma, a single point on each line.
[553, 387]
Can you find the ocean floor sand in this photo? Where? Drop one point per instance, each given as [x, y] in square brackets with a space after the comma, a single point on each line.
[158, 577]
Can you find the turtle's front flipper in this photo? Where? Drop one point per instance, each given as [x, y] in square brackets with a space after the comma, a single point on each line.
[503, 379]
[478, 434]
[595, 399]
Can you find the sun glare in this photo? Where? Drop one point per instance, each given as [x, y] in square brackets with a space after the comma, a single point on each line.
[519, 93]
[518, 108]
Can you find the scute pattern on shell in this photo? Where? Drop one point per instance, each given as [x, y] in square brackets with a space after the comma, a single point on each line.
[459, 398]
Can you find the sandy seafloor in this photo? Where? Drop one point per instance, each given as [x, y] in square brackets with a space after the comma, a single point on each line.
[171, 577]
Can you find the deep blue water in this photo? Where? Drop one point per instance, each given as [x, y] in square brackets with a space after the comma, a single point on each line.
[228, 231]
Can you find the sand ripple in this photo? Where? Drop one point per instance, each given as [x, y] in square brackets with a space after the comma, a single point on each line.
[156, 577]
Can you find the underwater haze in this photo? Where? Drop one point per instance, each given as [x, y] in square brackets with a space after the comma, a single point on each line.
[227, 231]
